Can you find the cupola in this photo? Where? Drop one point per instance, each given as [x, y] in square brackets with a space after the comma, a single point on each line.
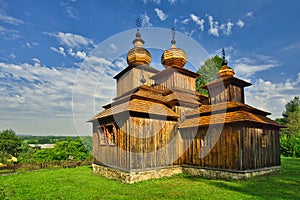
[174, 56]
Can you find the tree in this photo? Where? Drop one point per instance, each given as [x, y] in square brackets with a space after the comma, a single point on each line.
[64, 150]
[208, 72]
[9, 144]
[290, 136]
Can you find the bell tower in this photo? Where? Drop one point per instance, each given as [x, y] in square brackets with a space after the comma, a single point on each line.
[226, 87]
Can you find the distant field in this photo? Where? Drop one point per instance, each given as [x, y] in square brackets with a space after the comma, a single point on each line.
[80, 183]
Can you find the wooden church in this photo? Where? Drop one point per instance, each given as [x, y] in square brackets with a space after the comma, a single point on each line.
[158, 125]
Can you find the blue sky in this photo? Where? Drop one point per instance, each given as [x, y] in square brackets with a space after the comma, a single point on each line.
[45, 43]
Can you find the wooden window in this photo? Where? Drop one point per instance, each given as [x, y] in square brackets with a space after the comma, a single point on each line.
[206, 140]
[108, 134]
[263, 140]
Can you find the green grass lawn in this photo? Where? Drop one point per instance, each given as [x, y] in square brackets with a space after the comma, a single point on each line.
[80, 183]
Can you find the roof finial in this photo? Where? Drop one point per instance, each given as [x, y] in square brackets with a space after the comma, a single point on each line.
[138, 23]
[138, 41]
[224, 61]
[173, 42]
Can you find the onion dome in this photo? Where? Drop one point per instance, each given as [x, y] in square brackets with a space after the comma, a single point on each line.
[174, 56]
[138, 55]
[225, 70]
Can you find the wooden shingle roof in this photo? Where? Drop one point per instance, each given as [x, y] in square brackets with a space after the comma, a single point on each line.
[226, 80]
[229, 117]
[138, 106]
[225, 106]
[170, 70]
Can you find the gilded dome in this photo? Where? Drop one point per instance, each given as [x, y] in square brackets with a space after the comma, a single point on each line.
[138, 55]
[225, 70]
[174, 56]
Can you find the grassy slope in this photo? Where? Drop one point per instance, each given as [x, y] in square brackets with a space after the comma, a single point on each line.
[79, 183]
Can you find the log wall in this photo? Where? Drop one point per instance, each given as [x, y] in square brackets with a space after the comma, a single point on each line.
[223, 152]
[131, 79]
[254, 154]
[229, 93]
[142, 143]
[177, 80]
[238, 147]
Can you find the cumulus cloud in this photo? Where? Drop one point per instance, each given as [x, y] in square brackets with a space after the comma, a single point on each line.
[146, 20]
[271, 96]
[162, 16]
[226, 28]
[42, 97]
[172, 1]
[77, 54]
[240, 23]
[198, 21]
[213, 26]
[59, 50]
[246, 67]
[71, 40]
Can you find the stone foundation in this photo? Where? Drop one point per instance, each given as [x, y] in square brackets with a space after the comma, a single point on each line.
[226, 174]
[136, 176]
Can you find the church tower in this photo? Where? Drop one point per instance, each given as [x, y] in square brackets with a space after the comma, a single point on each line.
[226, 87]
[138, 71]
[175, 76]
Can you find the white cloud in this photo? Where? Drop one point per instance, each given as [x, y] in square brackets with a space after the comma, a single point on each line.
[36, 61]
[152, 1]
[198, 21]
[42, 97]
[10, 20]
[240, 23]
[248, 66]
[9, 34]
[72, 12]
[162, 16]
[59, 50]
[112, 48]
[71, 40]
[172, 1]
[214, 26]
[249, 14]
[186, 21]
[77, 54]
[70, 9]
[272, 97]
[146, 20]
[226, 28]
[30, 44]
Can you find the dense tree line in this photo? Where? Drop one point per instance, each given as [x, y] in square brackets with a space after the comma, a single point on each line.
[290, 136]
[71, 148]
[32, 139]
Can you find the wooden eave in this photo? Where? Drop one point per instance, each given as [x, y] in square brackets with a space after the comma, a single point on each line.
[225, 107]
[226, 81]
[229, 117]
[144, 67]
[173, 69]
[139, 106]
